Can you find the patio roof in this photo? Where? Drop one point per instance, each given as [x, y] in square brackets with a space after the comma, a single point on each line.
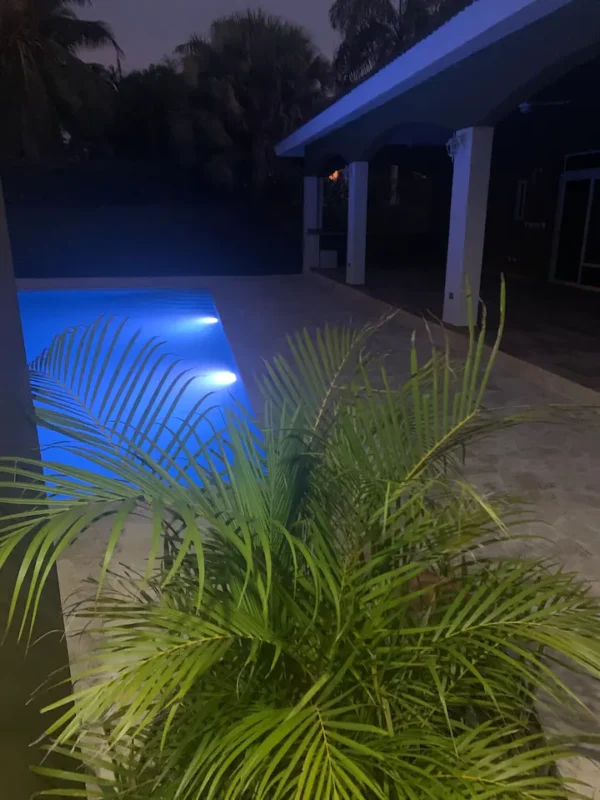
[472, 71]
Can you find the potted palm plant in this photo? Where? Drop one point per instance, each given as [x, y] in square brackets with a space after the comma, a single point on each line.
[321, 616]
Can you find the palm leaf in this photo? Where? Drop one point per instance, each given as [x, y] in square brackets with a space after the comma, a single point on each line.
[326, 623]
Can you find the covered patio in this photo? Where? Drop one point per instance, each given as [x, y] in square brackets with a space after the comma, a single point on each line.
[450, 90]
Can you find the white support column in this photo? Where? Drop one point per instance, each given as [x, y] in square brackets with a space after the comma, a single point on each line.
[468, 212]
[313, 221]
[358, 189]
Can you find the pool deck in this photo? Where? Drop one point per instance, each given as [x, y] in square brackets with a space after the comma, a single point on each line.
[547, 324]
[556, 467]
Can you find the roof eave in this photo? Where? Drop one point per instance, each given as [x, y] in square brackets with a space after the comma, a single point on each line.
[479, 24]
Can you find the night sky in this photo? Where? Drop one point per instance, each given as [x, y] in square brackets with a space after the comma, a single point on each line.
[149, 29]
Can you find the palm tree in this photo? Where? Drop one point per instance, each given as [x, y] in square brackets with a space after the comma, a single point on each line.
[256, 78]
[328, 621]
[376, 31]
[45, 88]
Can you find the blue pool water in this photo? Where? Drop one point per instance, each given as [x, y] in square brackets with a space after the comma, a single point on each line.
[187, 321]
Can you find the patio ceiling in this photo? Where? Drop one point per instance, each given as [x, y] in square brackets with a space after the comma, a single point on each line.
[472, 71]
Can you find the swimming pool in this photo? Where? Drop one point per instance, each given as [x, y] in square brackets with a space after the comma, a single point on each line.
[186, 321]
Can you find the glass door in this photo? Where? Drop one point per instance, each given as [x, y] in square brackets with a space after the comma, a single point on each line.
[590, 265]
[576, 257]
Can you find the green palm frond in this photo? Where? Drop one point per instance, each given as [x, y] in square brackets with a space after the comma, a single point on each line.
[320, 618]
[317, 373]
[374, 726]
[102, 383]
[368, 426]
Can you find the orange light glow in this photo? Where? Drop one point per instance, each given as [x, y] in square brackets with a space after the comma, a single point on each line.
[335, 175]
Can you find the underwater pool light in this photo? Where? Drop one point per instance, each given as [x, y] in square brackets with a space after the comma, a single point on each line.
[208, 320]
[222, 377]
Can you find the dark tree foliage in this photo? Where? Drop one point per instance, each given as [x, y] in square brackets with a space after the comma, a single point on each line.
[48, 95]
[254, 79]
[376, 31]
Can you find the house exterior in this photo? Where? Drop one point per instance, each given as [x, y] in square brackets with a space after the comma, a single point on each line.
[462, 88]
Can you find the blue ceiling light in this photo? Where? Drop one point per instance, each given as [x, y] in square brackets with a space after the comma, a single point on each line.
[208, 320]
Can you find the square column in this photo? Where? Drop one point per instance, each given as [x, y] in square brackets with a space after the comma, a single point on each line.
[313, 222]
[358, 191]
[468, 213]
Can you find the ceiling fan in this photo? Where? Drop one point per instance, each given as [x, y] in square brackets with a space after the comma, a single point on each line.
[527, 108]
